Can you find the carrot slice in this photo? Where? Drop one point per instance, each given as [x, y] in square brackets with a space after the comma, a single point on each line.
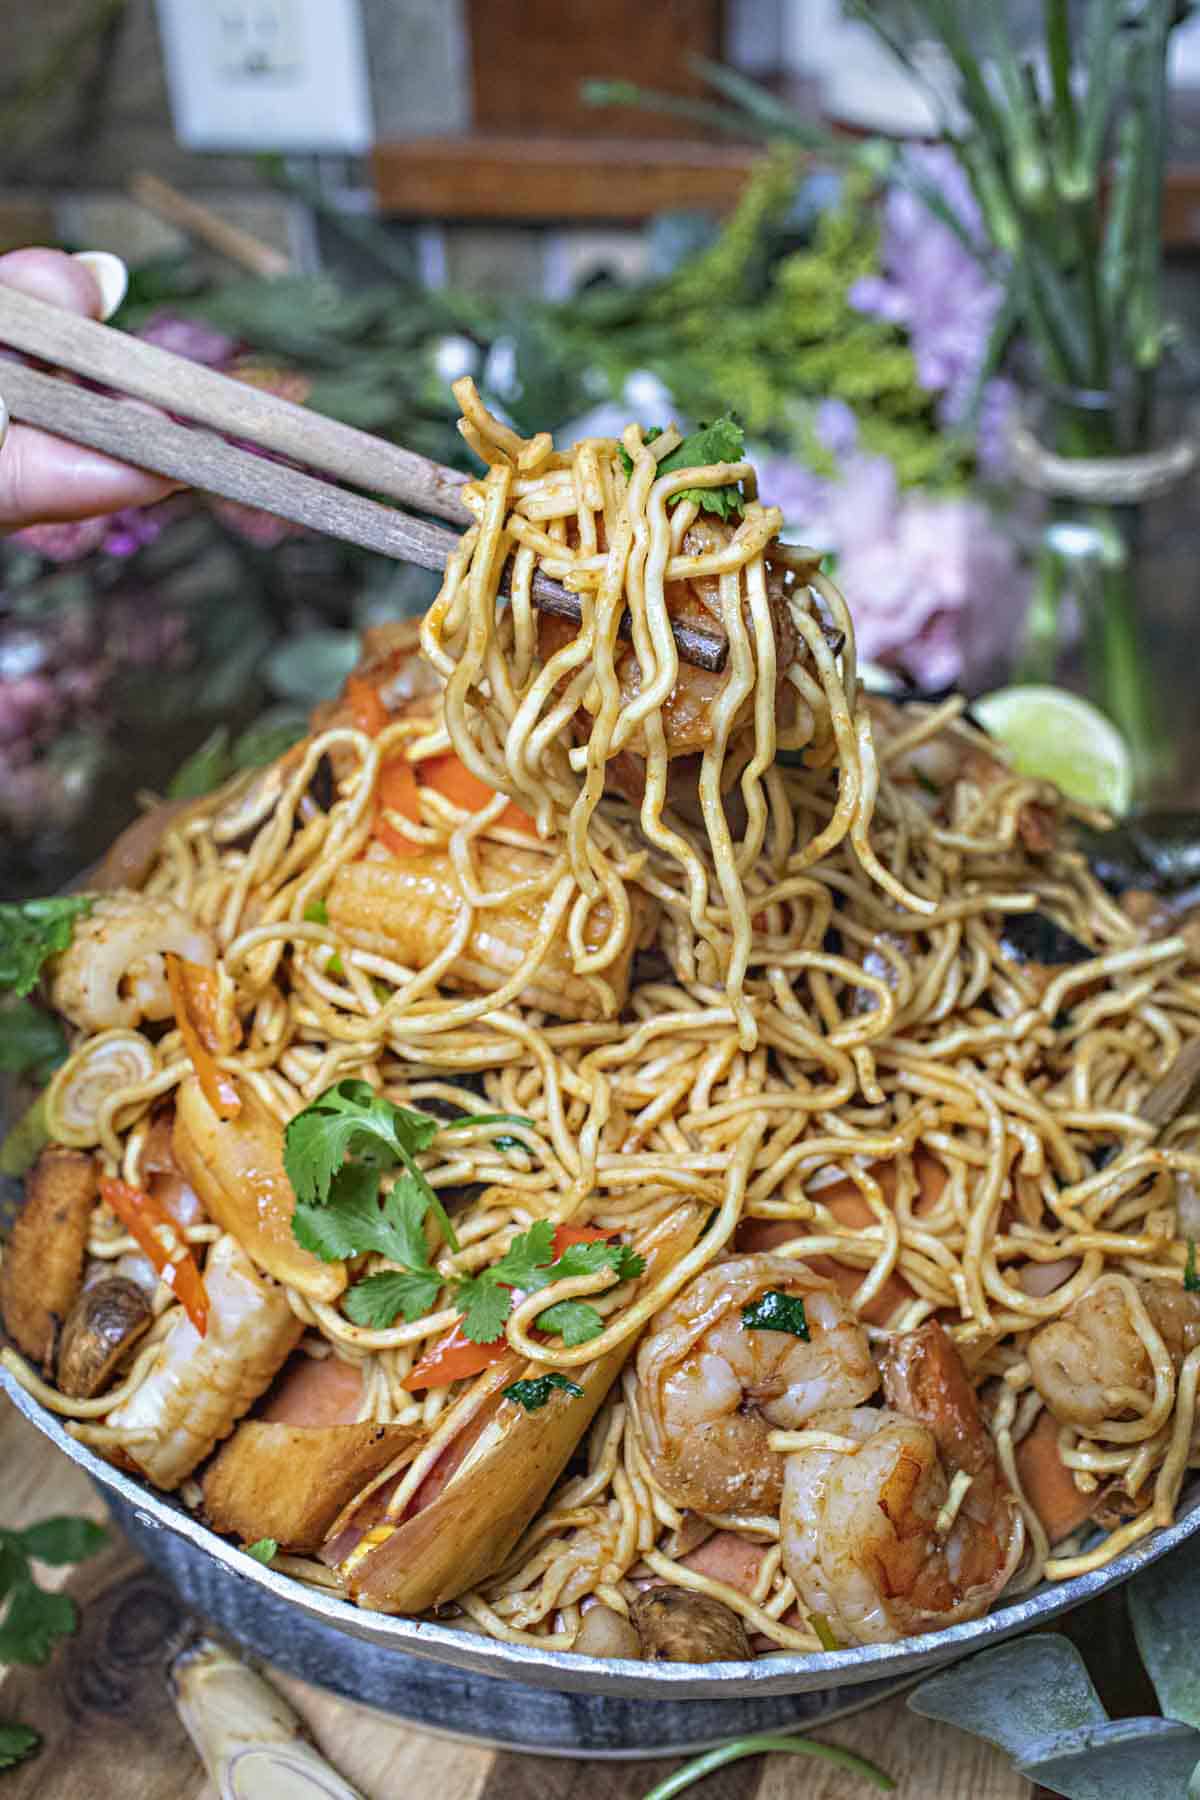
[449, 776]
[194, 997]
[160, 1237]
[367, 709]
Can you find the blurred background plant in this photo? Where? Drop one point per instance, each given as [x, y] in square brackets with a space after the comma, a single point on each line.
[880, 315]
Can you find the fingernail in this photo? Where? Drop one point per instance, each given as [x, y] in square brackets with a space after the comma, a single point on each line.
[110, 275]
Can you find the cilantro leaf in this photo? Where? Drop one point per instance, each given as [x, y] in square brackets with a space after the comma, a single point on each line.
[31, 931]
[16, 1743]
[573, 1320]
[487, 1298]
[32, 1042]
[264, 1550]
[528, 1255]
[352, 1119]
[34, 1622]
[1191, 1280]
[774, 1311]
[376, 1301]
[485, 1306]
[722, 441]
[533, 1395]
[62, 1540]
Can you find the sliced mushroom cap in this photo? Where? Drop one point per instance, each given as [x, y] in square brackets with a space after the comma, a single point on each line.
[104, 1324]
[676, 1625]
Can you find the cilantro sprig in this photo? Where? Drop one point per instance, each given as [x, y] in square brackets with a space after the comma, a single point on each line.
[774, 1311]
[722, 441]
[534, 1394]
[336, 1153]
[529, 1265]
[30, 932]
[34, 1619]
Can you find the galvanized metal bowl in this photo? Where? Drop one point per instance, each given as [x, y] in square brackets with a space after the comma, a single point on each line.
[549, 1701]
[222, 1581]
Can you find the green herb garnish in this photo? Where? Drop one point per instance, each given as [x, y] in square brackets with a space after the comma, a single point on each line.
[31, 931]
[824, 1631]
[34, 1619]
[16, 1743]
[1191, 1280]
[722, 441]
[533, 1395]
[316, 913]
[774, 1311]
[32, 1042]
[528, 1264]
[265, 1550]
[335, 1153]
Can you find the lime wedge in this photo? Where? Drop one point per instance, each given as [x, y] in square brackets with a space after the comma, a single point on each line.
[1059, 737]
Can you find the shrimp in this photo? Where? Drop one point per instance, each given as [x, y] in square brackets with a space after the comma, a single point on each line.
[882, 1541]
[710, 1389]
[199, 1387]
[1093, 1364]
[113, 975]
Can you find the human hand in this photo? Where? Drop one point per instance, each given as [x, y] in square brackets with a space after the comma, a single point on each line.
[45, 479]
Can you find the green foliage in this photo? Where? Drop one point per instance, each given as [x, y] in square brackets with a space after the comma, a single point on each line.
[30, 932]
[34, 1619]
[534, 1394]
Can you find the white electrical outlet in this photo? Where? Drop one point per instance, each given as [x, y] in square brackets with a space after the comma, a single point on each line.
[267, 74]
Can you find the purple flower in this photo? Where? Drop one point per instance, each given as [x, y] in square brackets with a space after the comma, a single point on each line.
[931, 284]
[188, 337]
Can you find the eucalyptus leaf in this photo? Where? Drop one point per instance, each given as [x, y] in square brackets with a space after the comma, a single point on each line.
[1023, 1696]
[1164, 1605]
[312, 666]
[1123, 1759]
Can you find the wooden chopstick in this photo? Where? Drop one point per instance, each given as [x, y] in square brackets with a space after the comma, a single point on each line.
[201, 459]
[144, 372]
[238, 246]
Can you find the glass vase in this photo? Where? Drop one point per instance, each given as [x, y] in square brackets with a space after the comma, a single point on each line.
[1110, 471]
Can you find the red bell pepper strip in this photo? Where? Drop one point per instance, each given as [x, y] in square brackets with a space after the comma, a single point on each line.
[164, 1243]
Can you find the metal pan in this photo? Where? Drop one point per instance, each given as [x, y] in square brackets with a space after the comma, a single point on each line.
[161, 1521]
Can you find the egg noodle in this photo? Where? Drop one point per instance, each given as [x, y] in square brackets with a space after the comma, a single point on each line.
[795, 1019]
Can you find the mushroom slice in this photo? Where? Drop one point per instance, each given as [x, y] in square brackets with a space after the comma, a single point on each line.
[104, 1324]
[676, 1625]
[290, 1482]
[42, 1270]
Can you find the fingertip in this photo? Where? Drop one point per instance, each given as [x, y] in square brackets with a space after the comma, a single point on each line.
[110, 276]
[55, 277]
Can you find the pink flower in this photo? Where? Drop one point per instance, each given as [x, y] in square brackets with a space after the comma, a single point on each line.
[188, 337]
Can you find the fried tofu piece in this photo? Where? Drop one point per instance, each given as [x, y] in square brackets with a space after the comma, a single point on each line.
[290, 1482]
[406, 907]
[42, 1271]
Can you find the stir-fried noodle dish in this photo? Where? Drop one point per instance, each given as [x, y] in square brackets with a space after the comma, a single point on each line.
[622, 1156]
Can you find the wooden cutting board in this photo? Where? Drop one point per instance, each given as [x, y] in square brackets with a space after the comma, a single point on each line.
[111, 1733]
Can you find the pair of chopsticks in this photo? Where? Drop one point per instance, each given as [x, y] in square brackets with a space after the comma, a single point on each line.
[217, 409]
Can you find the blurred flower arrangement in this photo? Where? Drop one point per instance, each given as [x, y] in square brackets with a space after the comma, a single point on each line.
[1048, 184]
[127, 640]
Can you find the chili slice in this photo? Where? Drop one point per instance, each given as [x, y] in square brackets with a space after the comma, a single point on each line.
[193, 994]
[160, 1237]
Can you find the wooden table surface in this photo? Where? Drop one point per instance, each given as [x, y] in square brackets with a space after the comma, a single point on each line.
[110, 1731]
